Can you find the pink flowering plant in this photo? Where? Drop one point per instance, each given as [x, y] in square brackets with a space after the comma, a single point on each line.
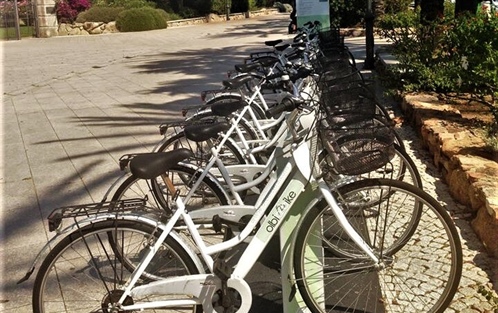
[24, 11]
[68, 10]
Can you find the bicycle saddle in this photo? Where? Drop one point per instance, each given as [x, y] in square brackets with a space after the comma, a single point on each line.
[203, 132]
[151, 165]
[272, 43]
[282, 47]
[246, 68]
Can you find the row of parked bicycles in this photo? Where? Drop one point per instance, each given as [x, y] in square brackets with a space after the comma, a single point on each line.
[295, 139]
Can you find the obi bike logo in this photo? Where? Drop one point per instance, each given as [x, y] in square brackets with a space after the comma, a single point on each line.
[280, 208]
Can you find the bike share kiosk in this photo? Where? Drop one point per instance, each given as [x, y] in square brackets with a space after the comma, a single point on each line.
[306, 11]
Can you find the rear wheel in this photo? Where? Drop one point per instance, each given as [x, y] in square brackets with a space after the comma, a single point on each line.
[83, 273]
[157, 196]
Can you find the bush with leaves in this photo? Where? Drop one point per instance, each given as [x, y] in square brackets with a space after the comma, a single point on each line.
[283, 7]
[396, 6]
[99, 14]
[127, 4]
[141, 19]
[347, 13]
[67, 10]
[457, 55]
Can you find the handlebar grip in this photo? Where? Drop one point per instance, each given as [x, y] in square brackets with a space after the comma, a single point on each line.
[274, 86]
[286, 105]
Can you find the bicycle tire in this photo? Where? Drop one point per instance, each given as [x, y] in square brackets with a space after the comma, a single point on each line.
[401, 168]
[71, 279]
[248, 131]
[227, 98]
[210, 192]
[420, 273]
[230, 152]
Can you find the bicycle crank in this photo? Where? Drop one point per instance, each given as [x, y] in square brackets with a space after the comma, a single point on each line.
[110, 300]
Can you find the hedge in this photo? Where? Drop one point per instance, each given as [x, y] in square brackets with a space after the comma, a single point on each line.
[141, 19]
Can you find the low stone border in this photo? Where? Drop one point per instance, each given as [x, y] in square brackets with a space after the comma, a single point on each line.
[471, 178]
[352, 32]
[96, 28]
[87, 28]
[221, 18]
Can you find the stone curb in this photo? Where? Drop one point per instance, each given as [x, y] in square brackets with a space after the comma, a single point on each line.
[97, 28]
[471, 178]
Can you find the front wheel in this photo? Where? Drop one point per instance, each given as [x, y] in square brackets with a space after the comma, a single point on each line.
[420, 262]
[84, 272]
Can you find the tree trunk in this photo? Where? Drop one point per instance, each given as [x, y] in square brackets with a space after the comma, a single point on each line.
[431, 10]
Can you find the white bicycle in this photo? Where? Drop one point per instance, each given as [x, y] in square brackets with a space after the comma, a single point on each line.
[357, 248]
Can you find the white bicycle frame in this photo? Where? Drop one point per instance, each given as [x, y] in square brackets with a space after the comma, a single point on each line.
[287, 184]
[247, 171]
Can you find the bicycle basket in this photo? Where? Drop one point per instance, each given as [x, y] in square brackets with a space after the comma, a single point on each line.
[328, 64]
[330, 79]
[356, 144]
[330, 38]
[354, 98]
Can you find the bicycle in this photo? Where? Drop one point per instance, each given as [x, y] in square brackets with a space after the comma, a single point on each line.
[376, 274]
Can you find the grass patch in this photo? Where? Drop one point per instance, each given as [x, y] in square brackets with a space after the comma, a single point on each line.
[10, 32]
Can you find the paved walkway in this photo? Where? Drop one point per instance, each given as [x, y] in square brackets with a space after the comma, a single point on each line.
[72, 106]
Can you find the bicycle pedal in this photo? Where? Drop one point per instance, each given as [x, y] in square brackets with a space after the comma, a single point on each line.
[222, 269]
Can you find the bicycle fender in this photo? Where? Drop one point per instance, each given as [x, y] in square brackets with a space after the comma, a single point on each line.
[104, 217]
[209, 176]
[303, 161]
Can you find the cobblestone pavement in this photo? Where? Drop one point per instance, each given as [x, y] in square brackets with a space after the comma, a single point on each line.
[479, 283]
[72, 106]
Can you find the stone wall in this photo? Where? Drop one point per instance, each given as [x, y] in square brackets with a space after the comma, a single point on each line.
[458, 150]
[87, 28]
[95, 28]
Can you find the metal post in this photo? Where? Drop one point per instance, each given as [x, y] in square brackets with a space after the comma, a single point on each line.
[16, 21]
[228, 9]
[369, 37]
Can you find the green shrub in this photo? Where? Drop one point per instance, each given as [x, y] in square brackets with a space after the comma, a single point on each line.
[283, 7]
[252, 5]
[218, 7]
[127, 4]
[99, 14]
[458, 55]
[140, 19]
[396, 6]
[161, 18]
[347, 13]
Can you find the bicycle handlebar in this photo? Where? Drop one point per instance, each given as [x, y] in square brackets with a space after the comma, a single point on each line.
[287, 105]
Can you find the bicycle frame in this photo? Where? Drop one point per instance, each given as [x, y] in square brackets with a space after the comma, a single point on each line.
[288, 184]
[247, 171]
